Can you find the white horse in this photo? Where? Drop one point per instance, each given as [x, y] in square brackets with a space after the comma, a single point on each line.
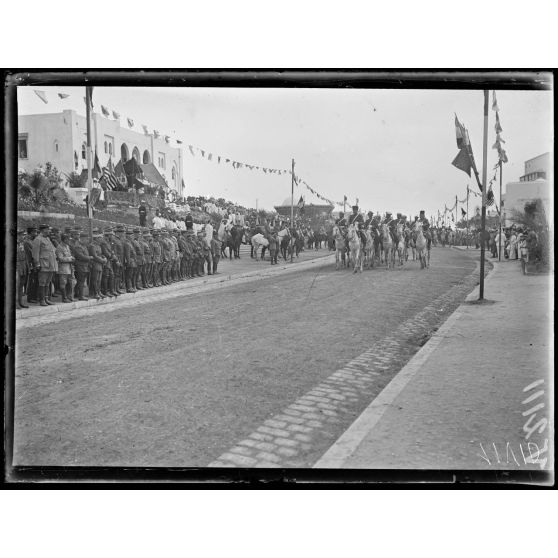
[400, 247]
[259, 241]
[388, 253]
[355, 248]
[421, 245]
[339, 246]
[369, 249]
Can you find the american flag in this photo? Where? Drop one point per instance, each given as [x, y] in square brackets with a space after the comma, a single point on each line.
[489, 197]
[108, 177]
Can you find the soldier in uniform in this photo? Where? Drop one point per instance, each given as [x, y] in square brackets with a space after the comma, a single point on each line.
[147, 259]
[369, 220]
[21, 269]
[32, 285]
[358, 220]
[65, 261]
[216, 249]
[107, 276]
[157, 251]
[130, 264]
[138, 247]
[98, 261]
[175, 254]
[82, 261]
[189, 252]
[44, 260]
[426, 229]
[166, 247]
[117, 246]
[182, 248]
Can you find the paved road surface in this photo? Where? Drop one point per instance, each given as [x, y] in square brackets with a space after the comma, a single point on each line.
[191, 381]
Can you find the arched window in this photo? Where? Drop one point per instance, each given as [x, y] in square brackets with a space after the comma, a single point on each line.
[136, 154]
[110, 148]
[106, 147]
[83, 151]
[173, 173]
[124, 153]
[76, 161]
[146, 157]
[56, 146]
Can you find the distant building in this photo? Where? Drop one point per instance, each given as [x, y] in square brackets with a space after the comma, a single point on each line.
[535, 183]
[60, 138]
[315, 214]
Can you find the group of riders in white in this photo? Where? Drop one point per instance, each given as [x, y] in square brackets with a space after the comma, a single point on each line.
[357, 242]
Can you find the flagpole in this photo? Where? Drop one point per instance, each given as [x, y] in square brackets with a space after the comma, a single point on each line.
[89, 161]
[292, 207]
[467, 216]
[483, 214]
[500, 235]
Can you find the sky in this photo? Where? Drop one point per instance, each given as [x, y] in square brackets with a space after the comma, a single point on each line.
[390, 149]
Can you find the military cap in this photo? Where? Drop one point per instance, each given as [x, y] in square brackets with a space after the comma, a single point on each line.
[43, 227]
[156, 232]
[164, 230]
[20, 231]
[147, 234]
[108, 230]
[422, 211]
[370, 213]
[129, 231]
[67, 230]
[96, 230]
[136, 230]
[31, 229]
[55, 230]
[120, 229]
[399, 215]
[355, 207]
[83, 233]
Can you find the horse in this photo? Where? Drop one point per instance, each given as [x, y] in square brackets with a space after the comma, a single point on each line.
[339, 240]
[284, 238]
[369, 249]
[237, 232]
[400, 243]
[420, 244]
[355, 247]
[388, 254]
[259, 241]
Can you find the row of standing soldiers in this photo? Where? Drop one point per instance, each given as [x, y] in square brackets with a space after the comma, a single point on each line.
[113, 262]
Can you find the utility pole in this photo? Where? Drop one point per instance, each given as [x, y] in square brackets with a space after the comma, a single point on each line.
[483, 213]
[88, 92]
[456, 214]
[292, 207]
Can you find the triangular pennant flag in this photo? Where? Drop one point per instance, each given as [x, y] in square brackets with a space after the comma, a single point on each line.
[463, 212]
[116, 115]
[494, 102]
[502, 155]
[105, 110]
[63, 95]
[130, 122]
[179, 142]
[41, 95]
[145, 130]
[497, 125]
[202, 152]
[218, 159]
[167, 139]
[191, 148]
[227, 160]
[209, 156]
[462, 137]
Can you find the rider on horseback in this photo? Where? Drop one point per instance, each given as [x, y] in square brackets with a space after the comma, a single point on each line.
[425, 229]
[358, 220]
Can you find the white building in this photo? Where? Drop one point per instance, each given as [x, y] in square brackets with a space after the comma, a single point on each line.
[61, 138]
[535, 183]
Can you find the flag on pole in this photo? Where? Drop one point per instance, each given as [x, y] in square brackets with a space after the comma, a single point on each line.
[108, 179]
[300, 204]
[463, 161]
[105, 110]
[41, 95]
[191, 148]
[167, 139]
[462, 137]
[463, 212]
[489, 197]
[180, 142]
[497, 125]
[156, 133]
[130, 122]
[145, 130]
[115, 115]
[97, 168]
[63, 95]
[494, 102]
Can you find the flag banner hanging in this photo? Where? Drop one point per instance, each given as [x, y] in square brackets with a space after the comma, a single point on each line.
[497, 125]
[179, 142]
[489, 197]
[218, 159]
[494, 102]
[202, 153]
[41, 95]
[463, 161]
[191, 148]
[146, 131]
[167, 139]
[63, 95]
[130, 122]
[156, 133]
[462, 137]
[209, 156]
[463, 212]
[300, 204]
[116, 115]
[105, 110]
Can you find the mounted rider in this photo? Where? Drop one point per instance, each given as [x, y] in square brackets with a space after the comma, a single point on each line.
[425, 228]
[358, 220]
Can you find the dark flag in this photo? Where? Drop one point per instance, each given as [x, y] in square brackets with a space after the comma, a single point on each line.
[489, 197]
[463, 212]
[300, 205]
[462, 137]
[463, 161]
[105, 110]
